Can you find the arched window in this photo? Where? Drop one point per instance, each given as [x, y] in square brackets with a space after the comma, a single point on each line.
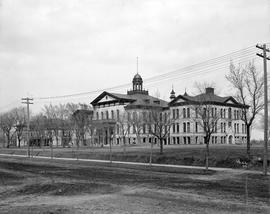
[118, 115]
[184, 112]
[184, 127]
[177, 113]
[102, 115]
[112, 114]
[188, 113]
[230, 113]
[188, 127]
[107, 115]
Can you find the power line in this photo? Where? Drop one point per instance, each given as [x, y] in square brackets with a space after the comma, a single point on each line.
[183, 75]
[248, 51]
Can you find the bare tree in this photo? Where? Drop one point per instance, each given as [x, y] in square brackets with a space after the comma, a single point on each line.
[159, 124]
[207, 117]
[50, 112]
[135, 121]
[20, 122]
[122, 123]
[7, 122]
[81, 122]
[248, 83]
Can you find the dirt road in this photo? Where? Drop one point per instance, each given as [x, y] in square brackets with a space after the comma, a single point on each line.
[45, 186]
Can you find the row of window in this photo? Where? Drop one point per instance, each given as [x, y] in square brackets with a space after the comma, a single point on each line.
[186, 127]
[105, 115]
[186, 113]
[212, 112]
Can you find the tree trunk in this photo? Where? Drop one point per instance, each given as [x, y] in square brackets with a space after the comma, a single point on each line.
[207, 154]
[124, 144]
[8, 140]
[19, 142]
[151, 154]
[248, 144]
[161, 145]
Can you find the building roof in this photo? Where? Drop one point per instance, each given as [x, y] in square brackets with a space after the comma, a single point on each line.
[136, 100]
[206, 98]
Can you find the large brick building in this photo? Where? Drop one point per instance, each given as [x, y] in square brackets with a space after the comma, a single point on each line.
[114, 113]
[186, 129]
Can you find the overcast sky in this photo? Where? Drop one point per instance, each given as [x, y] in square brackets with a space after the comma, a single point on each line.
[53, 47]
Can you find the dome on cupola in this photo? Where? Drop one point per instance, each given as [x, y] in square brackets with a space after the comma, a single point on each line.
[137, 78]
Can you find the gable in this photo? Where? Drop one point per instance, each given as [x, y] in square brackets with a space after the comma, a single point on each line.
[180, 100]
[106, 98]
[231, 101]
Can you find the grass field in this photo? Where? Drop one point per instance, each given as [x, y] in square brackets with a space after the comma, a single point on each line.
[232, 156]
[59, 187]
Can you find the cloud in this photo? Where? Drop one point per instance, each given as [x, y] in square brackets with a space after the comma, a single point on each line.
[58, 47]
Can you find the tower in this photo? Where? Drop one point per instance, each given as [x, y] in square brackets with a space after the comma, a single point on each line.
[137, 85]
[172, 94]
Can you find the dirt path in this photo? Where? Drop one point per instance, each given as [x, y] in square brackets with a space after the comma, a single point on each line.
[73, 188]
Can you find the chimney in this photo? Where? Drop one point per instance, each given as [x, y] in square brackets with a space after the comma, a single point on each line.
[209, 90]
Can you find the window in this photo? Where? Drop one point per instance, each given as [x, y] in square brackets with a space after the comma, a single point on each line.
[174, 128]
[117, 129]
[107, 115]
[184, 112]
[221, 113]
[117, 113]
[188, 139]
[196, 112]
[144, 128]
[177, 127]
[184, 128]
[224, 127]
[144, 116]
[188, 127]
[177, 113]
[97, 117]
[221, 127]
[230, 113]
[196, 127]
[128, 129]
[102, 115]
[188, 113]
[173, 113]
[134, 115]
[112, 114]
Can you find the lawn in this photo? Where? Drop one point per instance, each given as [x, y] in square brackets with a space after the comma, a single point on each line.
[231, 156]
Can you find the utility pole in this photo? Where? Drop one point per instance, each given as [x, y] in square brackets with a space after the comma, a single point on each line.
[265, 58]
[27, 102]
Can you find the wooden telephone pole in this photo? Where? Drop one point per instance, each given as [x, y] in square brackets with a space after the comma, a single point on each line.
[27, 102]
[265, 58]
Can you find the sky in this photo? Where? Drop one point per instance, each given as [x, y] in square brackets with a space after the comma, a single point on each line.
[60, 47]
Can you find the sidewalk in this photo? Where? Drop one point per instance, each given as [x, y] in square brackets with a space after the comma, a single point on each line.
[138, 163]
